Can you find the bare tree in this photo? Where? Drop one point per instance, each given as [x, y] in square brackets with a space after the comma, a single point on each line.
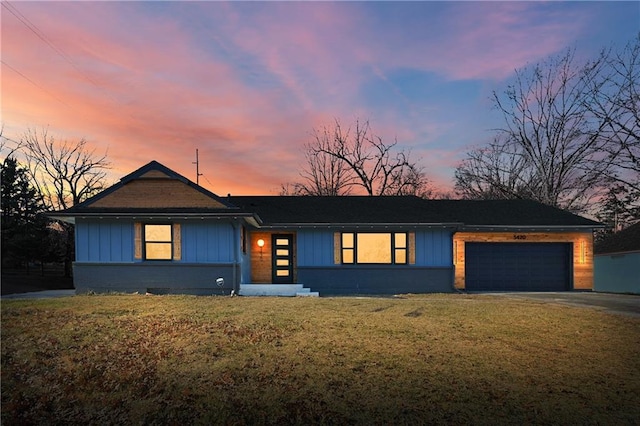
[550, 146]
[615, 101]
[339, 160]
[8, 147]
[498, 170]
[65, 173]
[323, 174]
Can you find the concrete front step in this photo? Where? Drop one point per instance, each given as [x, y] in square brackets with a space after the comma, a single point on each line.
[308, 294]
[290, 290]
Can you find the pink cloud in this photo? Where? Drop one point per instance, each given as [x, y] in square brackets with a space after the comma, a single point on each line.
[247, 85]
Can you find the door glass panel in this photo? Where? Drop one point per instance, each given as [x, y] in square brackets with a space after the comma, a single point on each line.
[282, 252]
[282, 242]
[282, 272]
[282, 262]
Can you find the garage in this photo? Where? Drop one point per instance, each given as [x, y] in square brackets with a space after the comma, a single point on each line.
[518, 266]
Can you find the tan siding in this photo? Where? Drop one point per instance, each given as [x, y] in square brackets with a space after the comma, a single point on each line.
[260, 258]
[337, 244]
[156, 193]
[137, 231]
[261, 261]
[582, 251]
[155, 174]
[177, 245]
[412, 248]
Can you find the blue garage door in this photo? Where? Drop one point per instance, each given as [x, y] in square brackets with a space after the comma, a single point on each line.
[518, 266]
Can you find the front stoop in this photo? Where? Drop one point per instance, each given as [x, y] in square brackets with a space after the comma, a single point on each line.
[290, 290]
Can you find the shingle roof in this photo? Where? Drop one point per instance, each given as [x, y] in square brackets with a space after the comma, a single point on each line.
[626, 240]
[346, 210]
[341, 210]
[274, 210]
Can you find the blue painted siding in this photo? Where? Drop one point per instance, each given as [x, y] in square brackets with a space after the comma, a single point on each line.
[434, 247]
[617, 273]
[363, 279]
[154, 277]
[105, 241]
[112, 241]
[208, 242]
[315, 247]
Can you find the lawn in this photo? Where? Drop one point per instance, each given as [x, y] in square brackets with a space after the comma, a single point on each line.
[433, 359]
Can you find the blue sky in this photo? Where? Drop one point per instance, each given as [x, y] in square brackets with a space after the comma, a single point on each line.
[245, 83]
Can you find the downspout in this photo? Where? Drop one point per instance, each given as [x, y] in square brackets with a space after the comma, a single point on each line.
[236, 262]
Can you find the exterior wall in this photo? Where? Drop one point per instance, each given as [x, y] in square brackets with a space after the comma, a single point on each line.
[105, 259]
[156, 193]
[433, 247]
[208, 242]
[432, 271]
[617, 273]
[374, 279]
[154, 277]
[260, 257]
[582, 251]
[104, 241]
[113, 241]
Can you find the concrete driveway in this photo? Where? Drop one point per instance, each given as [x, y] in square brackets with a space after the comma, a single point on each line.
[622, 304]
[46, 294]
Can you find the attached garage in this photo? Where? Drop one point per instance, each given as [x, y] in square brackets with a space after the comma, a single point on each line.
[523, 260]
[518, 266]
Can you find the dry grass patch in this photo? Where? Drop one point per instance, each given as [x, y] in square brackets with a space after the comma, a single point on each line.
[220, 360]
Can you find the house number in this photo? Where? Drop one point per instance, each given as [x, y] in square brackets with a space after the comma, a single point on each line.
[519, 237]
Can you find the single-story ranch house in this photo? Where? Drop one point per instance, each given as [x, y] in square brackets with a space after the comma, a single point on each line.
[155, 231]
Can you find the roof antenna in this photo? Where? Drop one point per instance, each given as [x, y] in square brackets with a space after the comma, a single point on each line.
[197, 163]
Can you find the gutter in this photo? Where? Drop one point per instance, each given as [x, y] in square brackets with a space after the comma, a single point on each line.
[251, 218]
[519, 228]
[362, 225]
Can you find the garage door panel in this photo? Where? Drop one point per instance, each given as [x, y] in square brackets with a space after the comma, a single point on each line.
[517, 266]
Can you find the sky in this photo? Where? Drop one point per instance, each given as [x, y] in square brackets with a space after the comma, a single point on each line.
[246, 83]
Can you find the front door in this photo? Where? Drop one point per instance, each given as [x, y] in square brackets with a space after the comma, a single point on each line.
[282, 259]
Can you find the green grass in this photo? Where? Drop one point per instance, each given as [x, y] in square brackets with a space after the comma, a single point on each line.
[436, 359]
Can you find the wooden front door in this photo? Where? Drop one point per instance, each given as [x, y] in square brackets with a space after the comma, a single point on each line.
[282, 258]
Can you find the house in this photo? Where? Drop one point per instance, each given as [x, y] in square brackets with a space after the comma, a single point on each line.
[155, 231]
[617, 262]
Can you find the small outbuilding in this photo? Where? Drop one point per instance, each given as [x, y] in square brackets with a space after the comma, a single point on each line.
[617, 262]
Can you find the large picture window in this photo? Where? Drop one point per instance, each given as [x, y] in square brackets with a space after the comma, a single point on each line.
[374, 247]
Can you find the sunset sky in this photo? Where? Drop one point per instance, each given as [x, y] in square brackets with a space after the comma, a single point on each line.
[245, 83]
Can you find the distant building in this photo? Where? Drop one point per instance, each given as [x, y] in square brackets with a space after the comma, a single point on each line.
[617, 262]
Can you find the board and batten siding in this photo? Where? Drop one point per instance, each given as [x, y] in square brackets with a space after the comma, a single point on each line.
[432, 247]
[104, 241]
[113, 241]
[582, 259]
[208, 242]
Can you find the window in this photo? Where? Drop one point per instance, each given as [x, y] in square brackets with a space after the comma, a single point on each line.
[374, 247]
[158, 242]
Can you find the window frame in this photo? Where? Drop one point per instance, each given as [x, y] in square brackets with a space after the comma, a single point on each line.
[393, 248]
[145, 242]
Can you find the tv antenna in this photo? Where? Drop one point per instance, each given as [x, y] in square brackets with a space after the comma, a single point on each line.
[197, 163]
